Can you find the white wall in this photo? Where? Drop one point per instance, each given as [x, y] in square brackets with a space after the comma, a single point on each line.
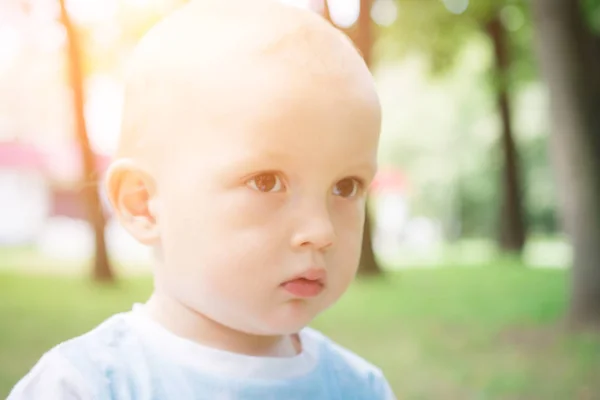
[24, 205]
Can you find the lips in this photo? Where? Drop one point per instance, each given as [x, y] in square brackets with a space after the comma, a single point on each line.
[308, 284]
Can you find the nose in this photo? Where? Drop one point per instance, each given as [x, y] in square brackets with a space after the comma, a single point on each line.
[314, 229]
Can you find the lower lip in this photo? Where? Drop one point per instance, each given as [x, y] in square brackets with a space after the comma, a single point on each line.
[303, 287]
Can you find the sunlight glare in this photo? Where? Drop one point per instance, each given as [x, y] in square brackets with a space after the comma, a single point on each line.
[384, 12]
[307, 4]
[10, 45]
[92, 11]
[344, 13]
[456, 6]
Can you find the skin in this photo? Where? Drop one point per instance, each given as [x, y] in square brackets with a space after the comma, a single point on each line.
[244, 164]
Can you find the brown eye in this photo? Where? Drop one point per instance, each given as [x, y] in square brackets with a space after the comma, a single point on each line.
[266, 183]
[346, 188]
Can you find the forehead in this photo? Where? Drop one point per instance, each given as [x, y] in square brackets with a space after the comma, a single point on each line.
[294, 125]
[303, 113]
[198, 96]
[275, 99]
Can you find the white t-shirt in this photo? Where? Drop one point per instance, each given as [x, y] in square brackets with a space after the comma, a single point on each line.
[131, 357]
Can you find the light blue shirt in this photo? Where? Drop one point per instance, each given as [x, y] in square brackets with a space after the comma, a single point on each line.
[130, 357]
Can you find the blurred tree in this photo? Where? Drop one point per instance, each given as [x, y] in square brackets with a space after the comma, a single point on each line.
[512, 224]
[361, 33]
[429, 27]
[102, 270]
[569, 57]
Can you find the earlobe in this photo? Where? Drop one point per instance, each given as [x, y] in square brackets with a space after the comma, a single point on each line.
[133, 195]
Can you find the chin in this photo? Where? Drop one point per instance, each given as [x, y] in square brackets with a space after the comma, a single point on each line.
[290, 322]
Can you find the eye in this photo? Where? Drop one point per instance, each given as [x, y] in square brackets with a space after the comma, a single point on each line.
[267, 183]
[348, 187]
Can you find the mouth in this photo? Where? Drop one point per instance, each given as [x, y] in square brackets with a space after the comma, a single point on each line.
[309, 284]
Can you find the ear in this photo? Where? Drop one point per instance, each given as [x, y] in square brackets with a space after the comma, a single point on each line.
[132, 193]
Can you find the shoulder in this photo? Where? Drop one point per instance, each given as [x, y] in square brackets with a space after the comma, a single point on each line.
[81, 368]
[52, 377]
[352, 371]
[112, 342]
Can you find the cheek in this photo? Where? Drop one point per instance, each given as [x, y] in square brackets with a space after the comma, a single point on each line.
[345, 256]
[246, 209]
[205, 208]
[231, 231]
[349, 219]
[349, 224]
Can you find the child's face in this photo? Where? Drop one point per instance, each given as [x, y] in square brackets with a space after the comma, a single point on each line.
[273, 188]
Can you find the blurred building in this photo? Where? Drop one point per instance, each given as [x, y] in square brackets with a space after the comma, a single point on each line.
[395, 225]
[37, 184]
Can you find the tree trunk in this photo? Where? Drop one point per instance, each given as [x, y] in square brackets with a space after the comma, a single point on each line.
[368, 263]
[90, 195]
[362, 36]
[361, 32]
[512, 224]
[567, 67]
[363, 39]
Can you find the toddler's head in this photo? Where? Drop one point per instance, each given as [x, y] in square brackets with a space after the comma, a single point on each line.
[250, 134]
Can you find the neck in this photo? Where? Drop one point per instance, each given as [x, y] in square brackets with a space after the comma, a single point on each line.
[192, 325]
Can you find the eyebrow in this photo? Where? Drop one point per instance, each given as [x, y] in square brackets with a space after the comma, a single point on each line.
[251, 160]
[261, 160]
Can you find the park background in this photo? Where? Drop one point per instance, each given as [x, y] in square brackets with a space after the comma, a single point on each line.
[480, 274]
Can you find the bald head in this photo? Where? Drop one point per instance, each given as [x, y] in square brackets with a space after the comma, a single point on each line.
[214, 58]
[250, 136]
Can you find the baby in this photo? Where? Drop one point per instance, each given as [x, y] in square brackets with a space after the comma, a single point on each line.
[250, 135]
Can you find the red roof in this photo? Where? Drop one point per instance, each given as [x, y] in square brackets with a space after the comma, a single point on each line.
[21, 155]
[389, 180]
[62, 162]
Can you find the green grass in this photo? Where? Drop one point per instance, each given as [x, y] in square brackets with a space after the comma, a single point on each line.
[452, 333]
[553, 252]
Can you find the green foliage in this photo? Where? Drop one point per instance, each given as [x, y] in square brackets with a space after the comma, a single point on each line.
[457, 49]
[540, 189]
[427, 27]
[479, 194]
[591, 9]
